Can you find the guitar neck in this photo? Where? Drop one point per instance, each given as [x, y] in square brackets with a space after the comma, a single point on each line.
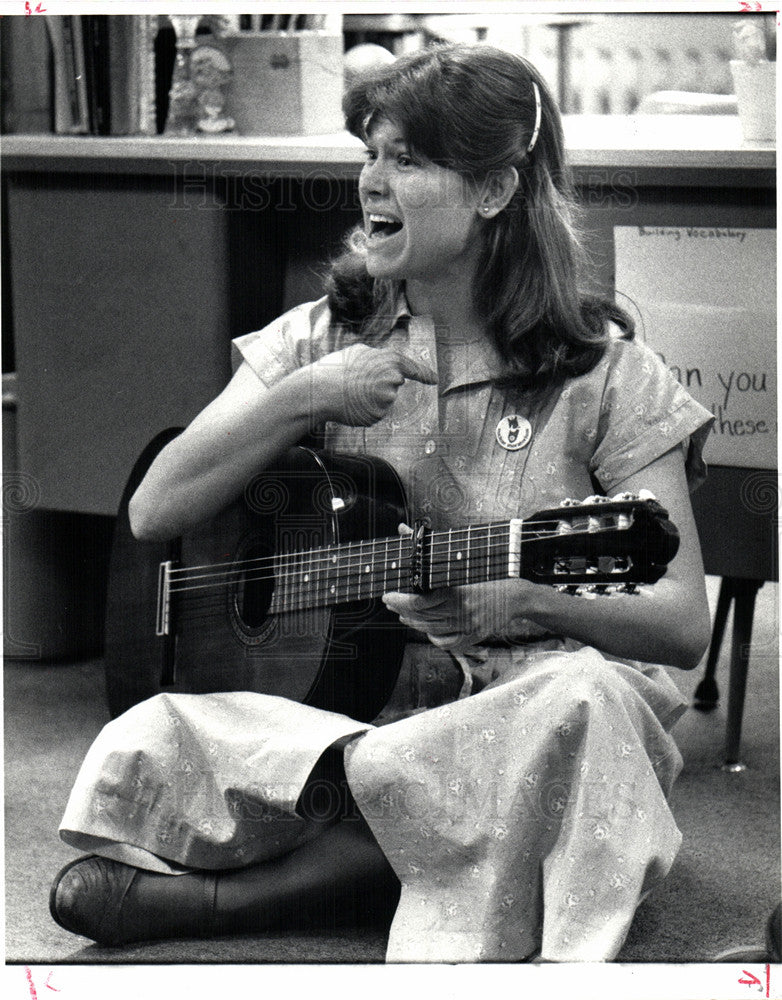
[356, 571]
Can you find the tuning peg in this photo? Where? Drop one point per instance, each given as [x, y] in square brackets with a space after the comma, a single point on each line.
[597, 588]
[628, 588]
[569, 502]
[568, 588]
[598, 498]
[624, 496]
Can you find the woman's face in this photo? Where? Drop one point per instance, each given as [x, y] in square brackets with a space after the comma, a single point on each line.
[421, 220]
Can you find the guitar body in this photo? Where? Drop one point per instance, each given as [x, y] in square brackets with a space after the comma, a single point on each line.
[228, 638]
[280, 593]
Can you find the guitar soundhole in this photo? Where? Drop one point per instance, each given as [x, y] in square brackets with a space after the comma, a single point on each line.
[253, 591]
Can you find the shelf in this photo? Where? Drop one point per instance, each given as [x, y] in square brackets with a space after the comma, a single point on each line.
[339, 153]
[659, 147]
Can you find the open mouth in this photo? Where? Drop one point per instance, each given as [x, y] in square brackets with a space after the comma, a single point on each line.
[383, 226]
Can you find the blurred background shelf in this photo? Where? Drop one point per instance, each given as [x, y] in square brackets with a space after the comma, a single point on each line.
[643, 142]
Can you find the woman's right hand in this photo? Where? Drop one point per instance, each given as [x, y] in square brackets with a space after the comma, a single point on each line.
[357, 385]
[248, 425]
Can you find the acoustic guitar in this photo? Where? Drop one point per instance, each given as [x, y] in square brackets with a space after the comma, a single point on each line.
[280, 593]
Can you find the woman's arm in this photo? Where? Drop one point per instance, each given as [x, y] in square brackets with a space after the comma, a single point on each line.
[664, 623]
[249, 425]
[210, 462]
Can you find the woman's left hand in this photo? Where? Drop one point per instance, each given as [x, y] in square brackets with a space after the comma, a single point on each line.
[458, 618]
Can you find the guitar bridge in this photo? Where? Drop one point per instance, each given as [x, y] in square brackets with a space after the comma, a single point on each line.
[163, 609]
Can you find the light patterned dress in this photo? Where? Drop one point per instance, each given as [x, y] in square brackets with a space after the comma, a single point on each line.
[528, 817]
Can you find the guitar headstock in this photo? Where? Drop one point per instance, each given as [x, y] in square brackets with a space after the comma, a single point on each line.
[599, 543]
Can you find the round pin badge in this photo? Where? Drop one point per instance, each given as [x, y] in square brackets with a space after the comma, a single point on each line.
[513, 432]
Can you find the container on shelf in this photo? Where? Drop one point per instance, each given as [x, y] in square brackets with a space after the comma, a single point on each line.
[756, 92]
[285, 83]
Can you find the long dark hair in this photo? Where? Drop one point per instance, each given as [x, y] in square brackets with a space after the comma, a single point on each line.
[472, 108]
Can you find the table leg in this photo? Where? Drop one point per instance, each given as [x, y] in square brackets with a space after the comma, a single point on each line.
[707, 693]
[746, 592]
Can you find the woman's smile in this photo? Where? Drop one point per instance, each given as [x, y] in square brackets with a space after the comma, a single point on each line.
[383, 227]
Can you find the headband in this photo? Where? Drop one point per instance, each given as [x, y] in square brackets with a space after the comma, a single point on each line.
[536, 129]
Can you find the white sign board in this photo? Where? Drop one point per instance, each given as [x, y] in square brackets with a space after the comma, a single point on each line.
[707, 298]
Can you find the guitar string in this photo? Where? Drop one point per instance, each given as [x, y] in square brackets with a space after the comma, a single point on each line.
[349, 560]
[532, 530]
[289, 565]
[344, 569]
[203, 607]
[212, 599]
[303, 563]
[349, 564]
[364, 547]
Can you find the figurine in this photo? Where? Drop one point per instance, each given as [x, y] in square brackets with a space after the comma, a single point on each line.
[210, 72]
[181, 99]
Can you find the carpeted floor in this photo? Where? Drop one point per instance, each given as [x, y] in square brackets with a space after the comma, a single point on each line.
[724, 884]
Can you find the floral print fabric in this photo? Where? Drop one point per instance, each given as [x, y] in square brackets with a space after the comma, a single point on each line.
[529, 817]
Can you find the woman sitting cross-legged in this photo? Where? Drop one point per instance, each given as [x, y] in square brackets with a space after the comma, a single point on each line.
[527, 814]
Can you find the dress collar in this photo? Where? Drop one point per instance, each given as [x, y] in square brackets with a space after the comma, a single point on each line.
[469, 363]
[463, 363]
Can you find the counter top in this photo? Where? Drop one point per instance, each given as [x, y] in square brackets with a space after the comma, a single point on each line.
[685, 144]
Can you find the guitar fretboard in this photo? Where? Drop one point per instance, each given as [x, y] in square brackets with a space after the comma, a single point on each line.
[356, 571]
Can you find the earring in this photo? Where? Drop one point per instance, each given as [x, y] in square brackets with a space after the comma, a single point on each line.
[485, 209]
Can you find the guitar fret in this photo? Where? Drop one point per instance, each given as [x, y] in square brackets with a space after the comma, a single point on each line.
[294, 593]
[321, 574]
[457, 561]
[304, 589]
[332, 585]
[293, 577]
[395, 566]
[285, 567]
[448, 560]
[365, 572]
[367, 556]
[346, 571]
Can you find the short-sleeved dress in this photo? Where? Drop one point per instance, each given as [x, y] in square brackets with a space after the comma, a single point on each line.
[528, 817]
